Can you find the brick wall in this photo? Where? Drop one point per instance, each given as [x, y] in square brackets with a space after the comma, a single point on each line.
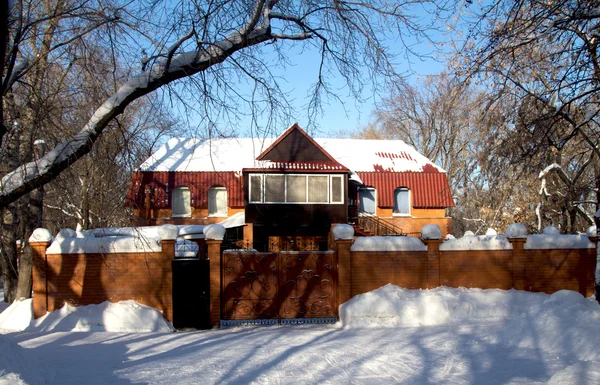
[533, 270]
[84, 279]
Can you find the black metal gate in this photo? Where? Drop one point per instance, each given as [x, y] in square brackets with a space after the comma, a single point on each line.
[191, 293]
[279, 288]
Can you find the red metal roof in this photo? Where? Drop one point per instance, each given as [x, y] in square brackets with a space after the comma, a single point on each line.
[299, 166]
[198, 183]
[430, 190]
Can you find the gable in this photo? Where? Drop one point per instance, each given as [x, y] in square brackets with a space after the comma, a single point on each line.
[295, 145]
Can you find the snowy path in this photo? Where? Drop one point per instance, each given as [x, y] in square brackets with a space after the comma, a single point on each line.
[293, 355]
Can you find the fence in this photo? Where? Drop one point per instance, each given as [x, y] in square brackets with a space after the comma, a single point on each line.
[81, 278]
[541, 270]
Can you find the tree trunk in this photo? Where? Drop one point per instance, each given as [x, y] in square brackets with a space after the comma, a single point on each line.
[597, 223]
[9, 252]
[32, 217]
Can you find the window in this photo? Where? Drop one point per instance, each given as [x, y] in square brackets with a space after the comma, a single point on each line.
[256, 188]
[274, 188]
[181, 202]
[296, 188]
[402, 201]
[217, 201]
[336, 189]
[366, 202]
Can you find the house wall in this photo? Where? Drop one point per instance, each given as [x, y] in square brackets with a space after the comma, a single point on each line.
[418, 218]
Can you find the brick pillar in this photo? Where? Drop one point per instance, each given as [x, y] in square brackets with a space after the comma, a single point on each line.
[594, 240]
[344, 269]
[168, 254]
[518, 258]
[214, 256]
[433, 262]
[40, 276]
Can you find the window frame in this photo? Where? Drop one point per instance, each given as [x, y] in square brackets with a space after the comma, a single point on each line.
[397, 205]
[187, 204]
[217, 214]
[262, 177]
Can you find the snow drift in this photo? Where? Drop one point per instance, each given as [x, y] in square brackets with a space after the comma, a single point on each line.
[125, 316]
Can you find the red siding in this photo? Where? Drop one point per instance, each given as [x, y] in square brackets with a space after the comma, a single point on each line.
[429, 190]
[198, 183]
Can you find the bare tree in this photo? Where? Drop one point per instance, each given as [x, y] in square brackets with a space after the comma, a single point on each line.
[230, 47]
[544, 54]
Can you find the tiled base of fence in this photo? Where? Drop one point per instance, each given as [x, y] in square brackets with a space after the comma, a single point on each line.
[281, 322]
[248, 322]
[307, 321]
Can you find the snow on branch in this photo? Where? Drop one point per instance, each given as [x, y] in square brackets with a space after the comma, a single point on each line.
[35, 174]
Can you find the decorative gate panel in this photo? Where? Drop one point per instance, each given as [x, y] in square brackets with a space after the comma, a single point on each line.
[249, 286]
[285, 287]
[308, 285]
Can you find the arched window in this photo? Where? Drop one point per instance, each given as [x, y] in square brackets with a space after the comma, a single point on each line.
[217, 201]
[402, 201]
[181, 202]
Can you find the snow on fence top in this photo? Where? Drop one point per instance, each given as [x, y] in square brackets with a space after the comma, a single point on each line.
[388, 244]
[343, 231]
[104, 245]
[558, 241]
[477, 242]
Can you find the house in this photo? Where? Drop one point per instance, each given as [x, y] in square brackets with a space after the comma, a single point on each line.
[291, 189]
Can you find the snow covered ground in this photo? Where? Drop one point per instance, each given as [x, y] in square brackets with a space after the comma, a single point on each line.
[388, 336]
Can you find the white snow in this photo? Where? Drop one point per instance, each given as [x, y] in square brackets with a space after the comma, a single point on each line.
[491, 231]
[392, 306]
[343, 231]
[390, 335]
[551, 230]
[111, 244]
[235, 154]
[388, 244]
[168, 232]
[560, 241]
[516, 230]
[235, 220]
[125, 316]
[591, 231]
[431, 232]
[215, 231]
[477, 242]
[41, 235]
[190, 230]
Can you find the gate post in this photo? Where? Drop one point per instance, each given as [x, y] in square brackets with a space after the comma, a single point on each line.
[39, 241]
[518, 255]
[432, 237]
[214, 236]
[344, 236]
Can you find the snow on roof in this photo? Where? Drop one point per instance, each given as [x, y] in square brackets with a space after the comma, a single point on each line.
[235, 154]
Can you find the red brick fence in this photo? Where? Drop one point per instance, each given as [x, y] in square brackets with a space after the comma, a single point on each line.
[78, 278]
